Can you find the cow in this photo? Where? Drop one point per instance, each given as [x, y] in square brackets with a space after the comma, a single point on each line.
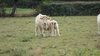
[98, 22]
[41, 21]
[54, 27]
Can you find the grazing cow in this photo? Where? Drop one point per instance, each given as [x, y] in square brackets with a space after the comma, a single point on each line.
[98, 22]
[41, 22]
[54, 27]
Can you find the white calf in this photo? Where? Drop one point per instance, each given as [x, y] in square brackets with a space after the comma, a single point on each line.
[54, 27]
[98, 22]
[41, 22]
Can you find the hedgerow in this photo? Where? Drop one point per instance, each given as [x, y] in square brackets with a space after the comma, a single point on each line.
[70, 9]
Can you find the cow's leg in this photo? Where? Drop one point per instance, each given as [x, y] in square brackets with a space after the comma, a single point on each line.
[51, 33]
[54, 32]
[58, 31]
[98, 28]
[43, 32]
[36, 30]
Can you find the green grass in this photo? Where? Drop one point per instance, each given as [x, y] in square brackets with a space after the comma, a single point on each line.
[78, 37]
[20, 10]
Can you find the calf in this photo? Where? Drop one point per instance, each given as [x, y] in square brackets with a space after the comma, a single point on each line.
[54, 27]
[41, 22]
[98, 22]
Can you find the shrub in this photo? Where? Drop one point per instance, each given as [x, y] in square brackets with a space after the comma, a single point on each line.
[70, 9]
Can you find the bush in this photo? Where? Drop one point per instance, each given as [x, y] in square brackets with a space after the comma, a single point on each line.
[75, 9]
[23, 3]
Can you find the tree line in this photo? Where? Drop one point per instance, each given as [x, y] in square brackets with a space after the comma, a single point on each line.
[17, 3]
[76, 0]
[26, 4]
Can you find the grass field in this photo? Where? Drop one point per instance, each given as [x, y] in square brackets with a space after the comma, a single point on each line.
[21, 11]
[78, 37]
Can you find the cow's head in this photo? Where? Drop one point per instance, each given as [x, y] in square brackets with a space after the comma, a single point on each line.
[45, 19]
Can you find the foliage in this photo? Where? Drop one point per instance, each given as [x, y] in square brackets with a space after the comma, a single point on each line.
[76, 0]
[46, 7]
[24, 3]
[2, 5]
[45, 2]
[71, 9]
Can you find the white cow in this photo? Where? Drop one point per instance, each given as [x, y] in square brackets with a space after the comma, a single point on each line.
[41, 22]
[54, 27]
[98, 22]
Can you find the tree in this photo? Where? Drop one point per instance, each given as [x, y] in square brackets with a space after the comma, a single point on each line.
[35, 3]
[2, 5]
[43, 3]
[14, 8]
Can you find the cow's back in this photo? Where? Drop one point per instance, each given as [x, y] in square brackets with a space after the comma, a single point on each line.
[98, 18]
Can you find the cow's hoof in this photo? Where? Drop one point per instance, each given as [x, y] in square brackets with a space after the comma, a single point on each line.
[43, 35]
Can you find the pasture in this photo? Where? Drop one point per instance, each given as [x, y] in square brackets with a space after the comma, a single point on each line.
[78, 37]
[20, 10]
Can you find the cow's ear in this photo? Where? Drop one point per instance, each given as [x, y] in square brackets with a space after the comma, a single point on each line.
[49, 18]
[41, 17]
